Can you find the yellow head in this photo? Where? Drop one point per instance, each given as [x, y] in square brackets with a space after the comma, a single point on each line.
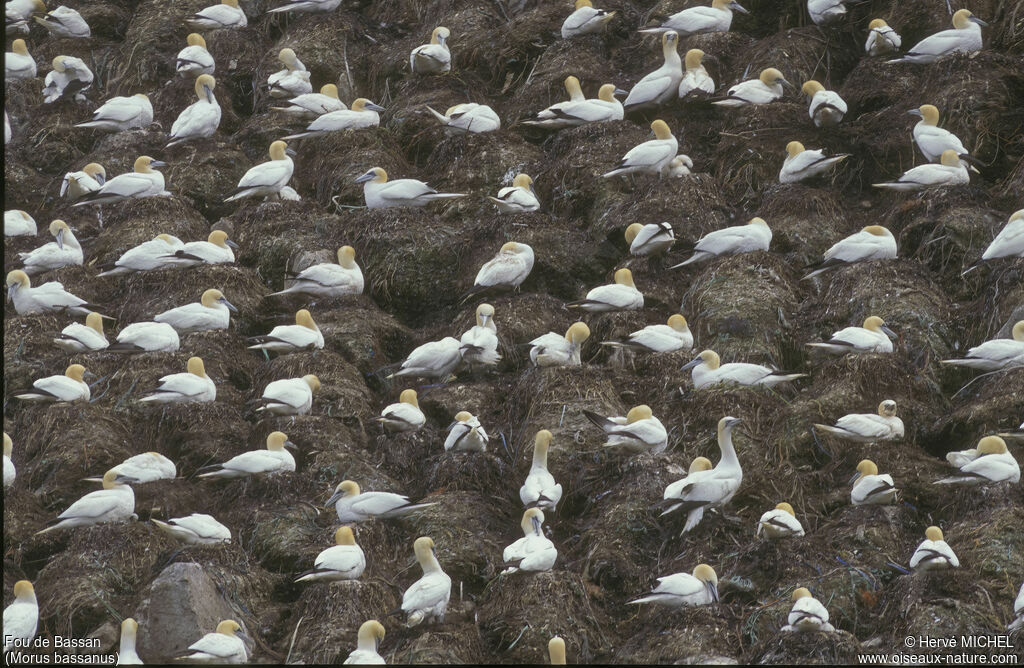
[607, 91]
[786, 507]
[794, 148]
[641, 412]
[94, 168]
[210, 297]
[933, 534]
[669, 42]
[344, 536]
[305, 319]
[710, 358]
[867, 467]
[874, 323]
[129, 627]
[424, 548]
[962, 18]
[230, 3]
[578, 333]
[204, 86]
[380, 176]
[18, 47]
[463, 416]
[277, 150]
[811, 87]
[950, 158]
[693, 58]
[583, 3]
[347, 257]
[276, 440]
[801, 592]
[371, 631]
[347, 488]
[522, 181]
[58, 226]
[877, 24]
[95, 321]
[700, 464]
[572, 87]
[771, 76]
[678, 322]
[19, 278]
[661, 130]
[228, 627]
[529, 517]
[542, 441]
[142, 164]
[288, 57]
[409, 397]
[359, 104]
[632, 231]
[556, 646]
[8, 445]
[75, 372]
[195, 39]
[887, 408]
[218, 238]
[313, 382]
[58, 63]
[877, 230]
[992, 445]
[23, 589]
[705, 573]
[929, 114]
[196, 367]
[1018, 331]
[624, 277]
[440, 35]
[330, 90]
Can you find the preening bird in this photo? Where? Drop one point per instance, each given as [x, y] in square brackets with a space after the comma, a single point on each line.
[992, 465]
[225, 15]
[64, 22]
[578, 110]
[405, 415]
[534, 552]
[827, 108]
[870, 488]
[639, 431]
[195, 529]
[468, 117]
[585, 20]
[882, 39]
[520, 197]
[311, 105]
[64, 251]
[292, 80]
[47, 298]
[433, 58]
[649, 239]
[193, 386]
[434, 359]
[553, 349]
[427, 598]
[70, 78]
[479, 345]
[540, 488]
[801, 163]
[303, 335]
[194, 59]
[508, 269]
[21, 617]
[932, 140]
[933, 553]
[780, 522]
[696, 78]
[200, 119]
[807, 614]
[466, 434]
[144, 181]
[83, 182]
[290, 396]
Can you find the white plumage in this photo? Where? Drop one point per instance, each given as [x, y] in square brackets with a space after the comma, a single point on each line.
[307, 6]
[1008, 243]
[801, 163]
[874, 242]
[468, 117]
[196, 529]
[225, 15]
[157, 253]
[682, 589]
[716, 18]
[520, 197]
[433, 58]
[703, 489]
[63, 252]
[479, 345]
[10, 472]
[650, 239]
[780, 522]
[696, 78]
[21, 617]
[621, 295]
[87, 180]
[762, 90]
[363, 114]
[114, 503]
[55, 389]
[585, 20]
[540, 488]
[289, 83]
[70, 77]
[18, 223]
[709, 371]
[827, 108]
[380, 193]
[995, 354]
[342, 561]
[267, 178]
[553, 349]
[65, 22]
[311, 105]
[509, 268]
[353, 505]
[873, 337]
[147, 467]
[950, 172]
[290, 396]
[126, 654]
[933, 553]
[827, 12]
[807, 614]
[668, 338]
[870, 488]
[882, 39]
[328, 279]
[146, 337]
[534, 552]
[466, 434]
[754, 236]
[46, 298]
[435, 359]
[365, 653]
[427, 598]
[194, 59]
[194, 386]
[964, 37]
[990, 463]
[273, 459]
[661, 85]
[578, 110]
[869, 427]
[303, 335]
[650, 157]
[404, 415]
[1018, 610]
[201, 118]
[213, 311]
[143, 182]
[121, 113]
[636, 432]
[215, 250]
[224, 646]
[18, 63]
[932, 140]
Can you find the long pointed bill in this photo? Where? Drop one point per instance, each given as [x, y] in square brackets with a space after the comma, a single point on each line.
[368, 176]
[713, 590]
[334, 499]
[690, 365]
[855, 478]
[888, 332]
[536, 525]
[735, 6]
[230, 306]
[11, 289]
[209, 94]
[373, 107]
[232, 244]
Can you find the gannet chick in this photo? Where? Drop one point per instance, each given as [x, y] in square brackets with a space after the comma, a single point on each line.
[381, 193]
[307, 6]
[994, 464]
[147, 256]
[146, 337]
[553, 349]
[18, 223]
[585, 20]
[69, 78]
[621, 295]
[950, 172]
[508, 269]
[143, 182]
[57, 389]
[352, 505]
[965, 37]
[881, 39]
[196, 529]
[343, 561]
[703, 489]
[661, 85]
[650, 157]
[996, 353]
[89, 179]
[201, 118]
[126, 655]
[933, 552]
[766, 88]
[754, 236]
[667, 338]
[479, 345]
[18, 13]
[466, 434]
[291, 396]
[292, 80]
[708, 370]
[534, 552]
[311, 105]
[215, 250]
[650, 239]
[1018, 610]
[427, 598]
[716, 18]
[328, 279]
[434, 359]
[114, 503]
[827, 108]
[520, 197]
[868, 427]
[10, 472]
[682, 589]
[65, 22]
[781, 522]
[404, 415]
[827, 12]
[143, 468]
[87, 338]
[578, 110]
[64, 252]
[871, 488]
[803, 164]
[432, 58]
[930, 138]
[121, 113]
[21, 617]
[874, 242]
[18, 64]
[540, 489]
[194, 59]
[267, 178]
[807, 614]
[696, 77]
[1008, 243]
[191, 387]
[274, 459]
[873, 337]
[371, 633]
[680, 166]
[638, 432]
[47, 298]
[468, 117]
[303, 335]
[213, 311]
[225, 15]
[227, 644]
[363, 114]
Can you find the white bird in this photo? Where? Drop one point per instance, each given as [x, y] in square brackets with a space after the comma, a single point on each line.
[479, 345]
[121, 113]
[874, 242]
[1008, 243]
[585, 20]
[767, 87]
[21, 618]
[18, 223]
[273, 459]
[639, 431]
[427, 598]
[780, 522]
[534, 552]
[703, 489]
[951, 171]
[882, 39]
[933, 552]
[827, 12]
[873, 337]
[650, 239]
[621, 295]
[432, 58]
[307, 6]
[650, 157]
[666, 338]
[10, 472]
[225, 15]
[352, 505]
[194, 386]
[311, 105]
[468, 117]
[143, 182]
[708, 371]
[662, 85]
[147, 256]
[18, 63]
[65, 22]
[215, 250]
[342, 561]
[508, 269]
[466, 434]
[64, 252]
[290, 396]
[716, 18]
[553, 349]
[200, 119]
[807, 614]
[381, 193]
[47, 298]
[964, 37]
[267, 178]
[194, 59]
[196, 529]
[405, 415]
[801, 163]
[578, 110]
[126, 654]
[754, 236]
[146, 337]
[683, 590]
[18, 12]
[932, 140]
[70, 77]
[303, 335]
[146, 467]
[434, 359]
[212, 311]
[993, 464]
[868, 427]
[292, 80]
[227, 645]
[363, 114]
[520, 197]
[869, 488]
[89, 179]
[540, 488]
[680, 166]
[827, 108]
[696, 77]
[371, 633]
[328, 279]
[114, 503]
[56, 389]
[1018, 610]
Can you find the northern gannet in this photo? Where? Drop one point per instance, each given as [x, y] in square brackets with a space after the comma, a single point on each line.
[807, 614]
[21, 617]
[427, 598]
[89, 179]
[18, 223]
[303, 335]
[194, 59]
[292, 80]
[762, 90]
[70, 77]
[650, 157]
[869, 487]
[479, 345]
[585, 20]
[996, 353]
[964, 37]
[649, 239]
[328, 279]
[868, 427]
[682, 589]
[933, 552]
[121, 113]
[932, 140]
[273, 459]
[716, 18]
[556, 350]
[65, 22]
[267, 178]
[702, 489]
[215, 250]
[696, 77]
[507, 269]
[371, 633]
[201, 118]
[827, 12]
[434, 359]
[56, 389]
[311, 105]
[666, 338]
[114, 503]
[466, 434]
[882, 39]
[801, 163]
[126, 654]
[468, 117]
[18, 63]
[661, 85]
[47, 298]
[353, 505]
[10, 472]
[826, 108]
[951, 171]
[307, 6]
[381, 193]
[994, 464]
[157, 253]
[520, 197]
[404, 415]
[196, 529]
[290, 396]
[227, 645]
[212, 311]
[578, 110]
[342, 561]
[363, 114]
[781, 522]
[639, 431]
[1018, 610]
[225, 15]
[534, 552]
[192, 386]
[432, 58]
[754, 236]
[143, 182]
[874, 242]
[18, 13]
[680, 166]
[146, 337]
[540, 488]
[143, 468]
[708, 370]
[1009, 242]
[873, 337]
[63, 252]
[621, 295]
